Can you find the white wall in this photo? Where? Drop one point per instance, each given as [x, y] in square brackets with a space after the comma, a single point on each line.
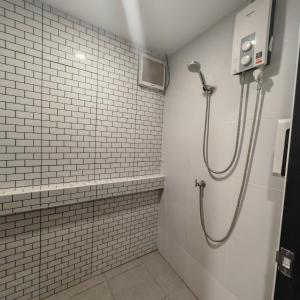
[243, 268]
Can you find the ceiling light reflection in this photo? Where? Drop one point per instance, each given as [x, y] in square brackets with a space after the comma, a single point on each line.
[134, 21]
[80, 55]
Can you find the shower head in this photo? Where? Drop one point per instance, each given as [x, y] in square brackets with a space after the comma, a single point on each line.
[195, 67]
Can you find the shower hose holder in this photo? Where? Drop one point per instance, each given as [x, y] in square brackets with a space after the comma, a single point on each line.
[200, 184]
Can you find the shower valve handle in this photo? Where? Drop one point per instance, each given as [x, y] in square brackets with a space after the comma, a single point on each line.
[201, 184]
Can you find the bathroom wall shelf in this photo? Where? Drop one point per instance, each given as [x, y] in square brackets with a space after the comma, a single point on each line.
[45, 196]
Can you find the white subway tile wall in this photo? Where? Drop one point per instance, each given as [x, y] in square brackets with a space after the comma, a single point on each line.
[20, 88]
[71, 103]
[44, 252]
[20, 256]
[71, 112]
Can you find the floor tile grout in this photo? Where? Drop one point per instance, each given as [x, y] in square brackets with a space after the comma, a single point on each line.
[121, 272]
[186, 286]
[160, 287]
[144, 263]
[156, 281]
[109, 287]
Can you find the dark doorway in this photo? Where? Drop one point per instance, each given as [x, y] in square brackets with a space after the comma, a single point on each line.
[288, 273]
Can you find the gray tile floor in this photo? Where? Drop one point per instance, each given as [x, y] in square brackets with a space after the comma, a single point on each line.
[147, 278]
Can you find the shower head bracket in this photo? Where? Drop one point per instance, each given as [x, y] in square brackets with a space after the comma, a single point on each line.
[208, 89]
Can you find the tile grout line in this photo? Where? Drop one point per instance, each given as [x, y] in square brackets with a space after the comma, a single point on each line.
[181, 279]
[158, 284]
[41, 145]
[95, 156]
[109, 287]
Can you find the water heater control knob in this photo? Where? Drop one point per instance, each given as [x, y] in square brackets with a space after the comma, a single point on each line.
[246, 46]
[246, 60]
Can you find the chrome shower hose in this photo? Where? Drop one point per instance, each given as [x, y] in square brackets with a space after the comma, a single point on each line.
[246, 172]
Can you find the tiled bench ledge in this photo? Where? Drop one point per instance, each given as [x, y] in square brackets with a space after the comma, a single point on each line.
[45, 196]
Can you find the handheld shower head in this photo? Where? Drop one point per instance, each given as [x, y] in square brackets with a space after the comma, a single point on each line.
[195, 67]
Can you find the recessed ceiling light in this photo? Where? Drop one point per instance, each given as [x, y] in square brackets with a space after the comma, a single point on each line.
[80, 55]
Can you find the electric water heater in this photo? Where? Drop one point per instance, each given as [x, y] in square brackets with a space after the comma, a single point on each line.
[252, 39]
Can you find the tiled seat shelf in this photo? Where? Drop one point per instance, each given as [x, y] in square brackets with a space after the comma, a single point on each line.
[45, 196]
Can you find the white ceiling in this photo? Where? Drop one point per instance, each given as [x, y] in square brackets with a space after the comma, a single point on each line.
[162, 25]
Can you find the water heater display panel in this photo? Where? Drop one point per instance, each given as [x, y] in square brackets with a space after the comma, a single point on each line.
[251, 42]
